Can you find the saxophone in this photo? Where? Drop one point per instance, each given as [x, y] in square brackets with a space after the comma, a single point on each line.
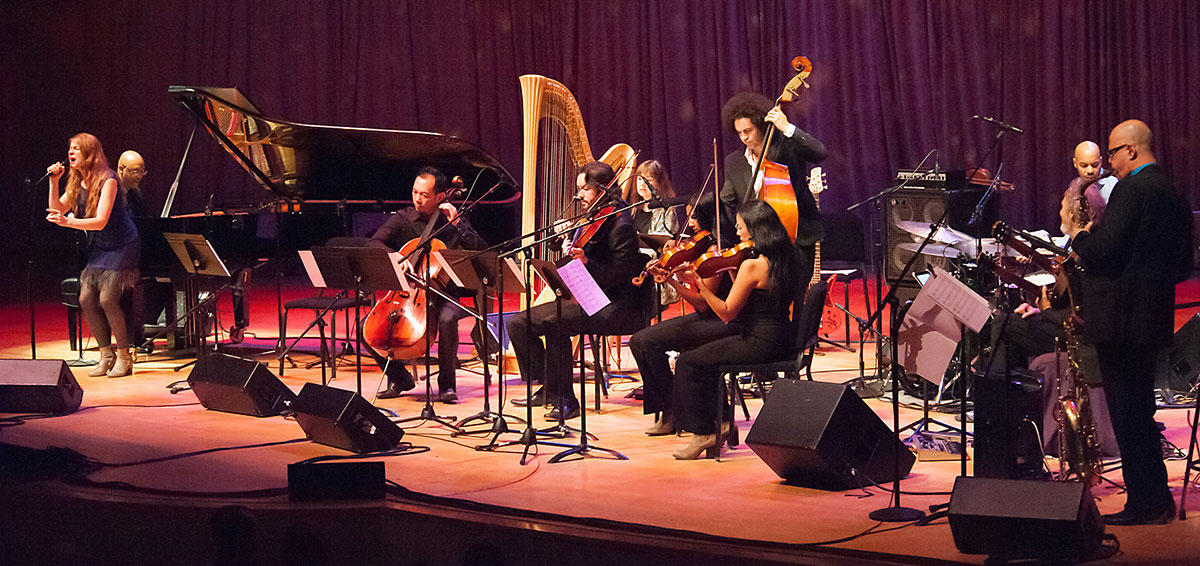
[1078, 444]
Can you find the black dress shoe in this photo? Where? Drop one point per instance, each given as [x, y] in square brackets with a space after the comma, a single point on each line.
[448, 397]
[394, 390]
[572, 412]
[1126, 517]
[538, 399]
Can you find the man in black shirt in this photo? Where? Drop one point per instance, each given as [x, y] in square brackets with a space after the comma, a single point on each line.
[429, 204]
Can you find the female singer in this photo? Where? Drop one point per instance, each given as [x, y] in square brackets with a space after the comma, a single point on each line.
[95, 203]
[650, 345]
[756, 310]
[657, 220]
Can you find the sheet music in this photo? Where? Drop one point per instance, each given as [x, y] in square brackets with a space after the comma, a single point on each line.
[310, 267]
[515, 275]
[401, 268]
[928, 337]
[587, 293]
[444, 265]
[954, 295]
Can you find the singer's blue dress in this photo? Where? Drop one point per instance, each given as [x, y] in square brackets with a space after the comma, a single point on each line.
[113, 252]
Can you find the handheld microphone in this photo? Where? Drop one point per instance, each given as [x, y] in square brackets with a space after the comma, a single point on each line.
[999, 124]
[65, 165]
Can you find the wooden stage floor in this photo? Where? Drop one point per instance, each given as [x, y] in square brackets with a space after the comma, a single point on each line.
[738, 501]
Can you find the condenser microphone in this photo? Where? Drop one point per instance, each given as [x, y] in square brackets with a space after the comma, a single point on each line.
[999, 124]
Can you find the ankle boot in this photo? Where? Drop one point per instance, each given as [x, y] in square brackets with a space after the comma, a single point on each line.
[701, 443]
[124, 364]
[107, 358]
[663, 426]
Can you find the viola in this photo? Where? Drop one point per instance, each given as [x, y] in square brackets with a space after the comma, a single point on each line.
[397, 323]
[677, 255]
[714, 262]
[585, 235]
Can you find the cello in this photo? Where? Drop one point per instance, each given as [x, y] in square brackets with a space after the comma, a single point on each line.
[777, 189]
[398, 323]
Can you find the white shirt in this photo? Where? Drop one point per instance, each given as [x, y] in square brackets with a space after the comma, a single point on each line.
[753, 161]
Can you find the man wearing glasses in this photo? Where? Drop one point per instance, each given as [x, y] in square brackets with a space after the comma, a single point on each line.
[1131, 264]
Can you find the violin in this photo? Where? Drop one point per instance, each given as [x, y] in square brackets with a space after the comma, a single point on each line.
[677, 255]
[585, 235]
[714, 262]
[397, 323]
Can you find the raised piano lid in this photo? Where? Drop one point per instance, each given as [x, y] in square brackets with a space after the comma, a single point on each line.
[313, 162]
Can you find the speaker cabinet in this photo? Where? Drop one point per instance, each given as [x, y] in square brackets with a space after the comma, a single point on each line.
[927, 206]
[1008, 414]
[238, 385]
[822, 435]
[1179, 365]
[1024, 518]
[38, 386]
[343, 419]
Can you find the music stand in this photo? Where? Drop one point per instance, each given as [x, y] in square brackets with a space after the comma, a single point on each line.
[198, 257]
[313, 270]
[479, 272]
[562, 292]
[360, 269]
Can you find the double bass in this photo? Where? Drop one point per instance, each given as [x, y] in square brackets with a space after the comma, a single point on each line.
[777, 189]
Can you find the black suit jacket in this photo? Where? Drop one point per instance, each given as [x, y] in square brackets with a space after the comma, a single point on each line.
[796, 153]
[408, 224]
[613, 259]
[1134, 259]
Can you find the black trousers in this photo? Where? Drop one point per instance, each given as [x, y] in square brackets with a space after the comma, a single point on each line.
[650, 347]
[551, 363]
[697, 379]
[1023, 338]
[1128, 372]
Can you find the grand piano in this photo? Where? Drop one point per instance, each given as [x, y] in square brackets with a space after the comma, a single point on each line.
[317, 181]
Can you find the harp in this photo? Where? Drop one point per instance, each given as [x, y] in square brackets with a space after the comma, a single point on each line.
[555, 145]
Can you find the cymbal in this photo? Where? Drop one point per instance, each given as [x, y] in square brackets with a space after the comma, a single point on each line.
[944, 235]
[935, 250]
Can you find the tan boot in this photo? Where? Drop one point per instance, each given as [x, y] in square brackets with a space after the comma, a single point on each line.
[123, 365]
[107, 358]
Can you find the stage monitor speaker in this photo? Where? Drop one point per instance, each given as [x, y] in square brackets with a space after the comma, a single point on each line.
[927, 206]
[823, 435]
[1179, 365]
[238, 385]
[343, 419]
[1024, 518]
[38, 386]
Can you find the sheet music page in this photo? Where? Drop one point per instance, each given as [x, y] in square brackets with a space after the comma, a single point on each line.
[401, 268]
[587, 293]
[954, 295]
[442, 263]
[515, 275]
[928, 337]
[310, 267]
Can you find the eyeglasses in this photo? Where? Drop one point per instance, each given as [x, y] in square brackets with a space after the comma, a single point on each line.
[1113, 150]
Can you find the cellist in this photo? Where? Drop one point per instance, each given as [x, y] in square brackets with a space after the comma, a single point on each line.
[429, 203]
[611, 257]
[748, 114]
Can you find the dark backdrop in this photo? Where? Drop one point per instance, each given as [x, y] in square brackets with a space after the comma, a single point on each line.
[891, 81]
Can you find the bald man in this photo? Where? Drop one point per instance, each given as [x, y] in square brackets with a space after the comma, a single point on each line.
[131, 168]
[1131, 265]
[1097, 182]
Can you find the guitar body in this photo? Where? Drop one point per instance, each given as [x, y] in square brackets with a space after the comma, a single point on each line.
[397, 323]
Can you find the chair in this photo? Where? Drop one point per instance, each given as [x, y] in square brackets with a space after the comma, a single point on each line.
[800, 356]
[844, 253]
[323, 303]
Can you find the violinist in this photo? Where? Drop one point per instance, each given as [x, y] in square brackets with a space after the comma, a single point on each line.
[748, 114]
[756, 311]
[657, 221]
[611, 257]
[650, 346]
[430, 204]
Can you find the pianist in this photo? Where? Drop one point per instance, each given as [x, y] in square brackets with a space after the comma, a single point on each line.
[429, 202]
[94, 202]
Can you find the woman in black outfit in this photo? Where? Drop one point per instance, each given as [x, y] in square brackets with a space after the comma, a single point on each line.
[756, 311]
[650, 345]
